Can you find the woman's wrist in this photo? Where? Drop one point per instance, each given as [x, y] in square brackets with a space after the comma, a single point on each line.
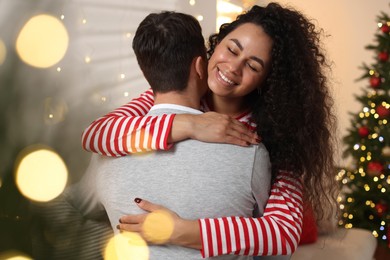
[182, 128]
[186, 233]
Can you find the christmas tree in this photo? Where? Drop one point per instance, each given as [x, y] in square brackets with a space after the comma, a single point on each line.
[365, 202]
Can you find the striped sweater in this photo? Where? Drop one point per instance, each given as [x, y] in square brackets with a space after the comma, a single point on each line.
[127, 130]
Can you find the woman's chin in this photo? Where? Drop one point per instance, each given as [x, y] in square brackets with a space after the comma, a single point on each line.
[220, 90]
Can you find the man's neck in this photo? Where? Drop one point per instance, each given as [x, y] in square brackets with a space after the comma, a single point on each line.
[177, 98]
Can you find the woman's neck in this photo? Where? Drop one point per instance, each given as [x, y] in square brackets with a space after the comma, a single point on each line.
[233, 107]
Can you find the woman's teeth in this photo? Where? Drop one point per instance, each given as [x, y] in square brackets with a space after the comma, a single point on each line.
[225, 78]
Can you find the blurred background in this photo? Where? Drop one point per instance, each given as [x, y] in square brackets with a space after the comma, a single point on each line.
[64, 63]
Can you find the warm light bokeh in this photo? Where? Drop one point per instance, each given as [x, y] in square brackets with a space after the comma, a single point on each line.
[126, 245]
[41, 174]
[3, 52]
[227, 12]
[14, 255]
[43, 41]
[158, 227]
[55, 110]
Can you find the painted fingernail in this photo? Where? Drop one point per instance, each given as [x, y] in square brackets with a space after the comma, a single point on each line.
[137, 200]
[120, 221]
[258, 140]
[118, 227]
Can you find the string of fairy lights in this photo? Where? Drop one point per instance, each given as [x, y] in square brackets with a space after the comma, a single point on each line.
[378, 180]
[44, 42]
[227, 10]
[364, 201]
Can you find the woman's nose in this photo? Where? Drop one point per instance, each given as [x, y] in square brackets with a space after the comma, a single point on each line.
[235, 66]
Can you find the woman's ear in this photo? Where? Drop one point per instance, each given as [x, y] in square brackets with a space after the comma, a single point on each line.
[201, 67]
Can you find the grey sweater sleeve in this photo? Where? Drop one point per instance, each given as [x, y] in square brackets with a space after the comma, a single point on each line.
[261, 178]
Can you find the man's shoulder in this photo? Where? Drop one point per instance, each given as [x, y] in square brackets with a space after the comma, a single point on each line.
[261, 147]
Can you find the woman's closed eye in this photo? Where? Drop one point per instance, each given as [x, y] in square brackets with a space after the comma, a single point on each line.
[232, 51]
[252, 67]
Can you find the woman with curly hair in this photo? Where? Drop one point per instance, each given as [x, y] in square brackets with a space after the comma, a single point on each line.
[285, 98]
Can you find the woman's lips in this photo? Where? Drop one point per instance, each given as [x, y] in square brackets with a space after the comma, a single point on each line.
[222, 77]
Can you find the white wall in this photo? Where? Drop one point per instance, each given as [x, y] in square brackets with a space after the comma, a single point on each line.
[206, 8]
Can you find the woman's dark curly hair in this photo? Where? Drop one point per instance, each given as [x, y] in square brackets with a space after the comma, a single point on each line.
[293, 106]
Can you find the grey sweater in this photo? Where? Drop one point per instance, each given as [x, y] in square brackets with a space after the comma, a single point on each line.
[195, 179]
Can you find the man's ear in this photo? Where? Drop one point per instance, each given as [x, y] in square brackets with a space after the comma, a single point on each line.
[201, 67]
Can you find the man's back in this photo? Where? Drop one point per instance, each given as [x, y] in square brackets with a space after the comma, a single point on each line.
[194, 179]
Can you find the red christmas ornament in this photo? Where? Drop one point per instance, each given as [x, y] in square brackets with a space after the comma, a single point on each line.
[374, 168]
[382, 111]
[375, 82]
[385, 28]
[383, 56]
[364, 131]
[381, 209]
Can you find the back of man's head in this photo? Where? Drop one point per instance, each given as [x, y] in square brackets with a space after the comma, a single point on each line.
[165, 44]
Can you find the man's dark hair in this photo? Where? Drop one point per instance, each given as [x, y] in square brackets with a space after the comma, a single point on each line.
[165, 44]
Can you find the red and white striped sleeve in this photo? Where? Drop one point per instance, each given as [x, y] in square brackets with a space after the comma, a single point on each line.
[128, 130]
[277, 232]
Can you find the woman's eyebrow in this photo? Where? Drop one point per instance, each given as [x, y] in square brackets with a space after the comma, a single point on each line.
[257, 59]
[237, 43]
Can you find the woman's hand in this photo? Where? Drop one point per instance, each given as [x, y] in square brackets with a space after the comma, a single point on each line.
[212, 127]
[162, 226]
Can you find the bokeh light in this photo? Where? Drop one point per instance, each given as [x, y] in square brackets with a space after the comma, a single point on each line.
[43, 41]
[3, 52]
[55, 110]
[14, 255]
[226, 12]
[158, 227]
[41, 174]
[126, 245]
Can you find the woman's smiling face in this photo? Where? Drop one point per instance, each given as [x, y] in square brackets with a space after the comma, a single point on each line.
[240, 62]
